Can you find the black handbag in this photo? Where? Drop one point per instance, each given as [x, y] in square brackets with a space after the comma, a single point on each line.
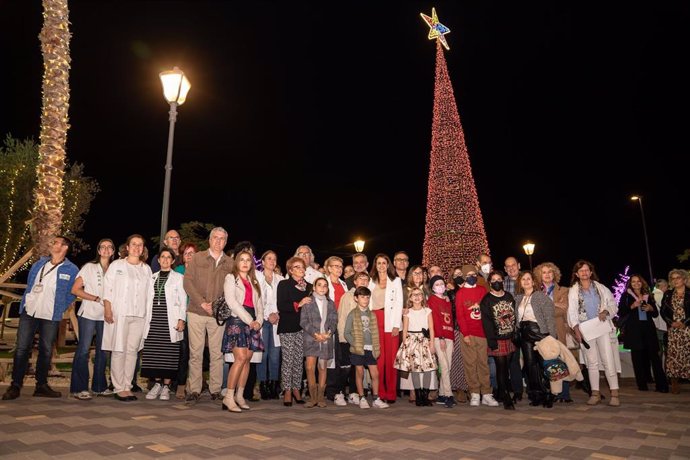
[221, 310]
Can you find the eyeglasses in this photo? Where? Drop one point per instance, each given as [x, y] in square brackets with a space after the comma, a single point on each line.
[173, 238]
[189, 253]
[677, 277]
[336, 266]
[398, 259]
[107, 247]
[417, 294]
[298, 267]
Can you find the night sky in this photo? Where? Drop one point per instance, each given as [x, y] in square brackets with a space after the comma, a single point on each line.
[311, 123]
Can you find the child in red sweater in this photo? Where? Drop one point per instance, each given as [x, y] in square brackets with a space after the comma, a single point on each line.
[442, 313]
[474, 346]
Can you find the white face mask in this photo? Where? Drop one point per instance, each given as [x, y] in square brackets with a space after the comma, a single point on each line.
[486, 268]
[439, 289]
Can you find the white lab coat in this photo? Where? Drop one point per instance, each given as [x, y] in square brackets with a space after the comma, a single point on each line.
[176, 301]
[268, 294]
[115, 290]
[392, 310]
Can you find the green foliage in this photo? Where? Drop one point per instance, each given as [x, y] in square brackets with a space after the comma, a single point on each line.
[18, 161]
[684, 256]
[192, 232]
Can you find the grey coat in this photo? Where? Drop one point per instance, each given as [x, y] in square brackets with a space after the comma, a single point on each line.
[544, 311]
[310, 320]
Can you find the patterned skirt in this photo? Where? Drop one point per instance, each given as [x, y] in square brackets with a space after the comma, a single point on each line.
[415, 354]
[239, 334]
[505, 347]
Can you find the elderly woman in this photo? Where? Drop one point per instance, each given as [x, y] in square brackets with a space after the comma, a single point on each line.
[243, 329]
[547, 277]
[161, 356]
[535, 318]
[293, 294]
[128, 306]
[636, 310]
[386, 303]
[589, 300]
[675, 310]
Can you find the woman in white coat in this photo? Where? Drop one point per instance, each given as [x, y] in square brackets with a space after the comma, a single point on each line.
[386, 303]
[589, 300]
[161, 356]
[243, 329]
[128, 304]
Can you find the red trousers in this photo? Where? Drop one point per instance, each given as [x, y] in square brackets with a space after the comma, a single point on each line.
[388, 375]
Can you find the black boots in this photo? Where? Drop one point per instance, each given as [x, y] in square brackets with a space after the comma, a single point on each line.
[265, 392]
[548, 400]
[508, 402]
[418, 401]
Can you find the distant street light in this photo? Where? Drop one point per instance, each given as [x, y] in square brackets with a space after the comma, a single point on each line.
[359, 245]
[638, 198]
[529, 250]
[175, 89]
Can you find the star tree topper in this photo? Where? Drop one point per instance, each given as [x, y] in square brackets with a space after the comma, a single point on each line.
[436, 29]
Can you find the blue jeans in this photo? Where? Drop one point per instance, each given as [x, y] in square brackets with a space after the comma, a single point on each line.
[565, 394]
[47, 333]
[492, 372]
[80, 366]
[270, 362]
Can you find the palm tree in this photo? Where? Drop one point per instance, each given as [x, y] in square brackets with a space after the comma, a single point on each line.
[55, 38]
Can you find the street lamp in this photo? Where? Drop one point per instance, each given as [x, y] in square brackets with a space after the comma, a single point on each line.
[638, 198]
[359, 245]
[529, 250]
[175, 89]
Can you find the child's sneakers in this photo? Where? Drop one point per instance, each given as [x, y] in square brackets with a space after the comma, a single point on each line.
[489, 400]
[154, 392]
[340, 400]
[474, 400]
[353, 399]
[165, 393]
[380, 404]
[363, 403]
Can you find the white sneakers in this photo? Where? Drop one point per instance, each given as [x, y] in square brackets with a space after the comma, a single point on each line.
[159, 391]
[353, 399]
[380, 404]
[488, 400]
[474, 400]
[363, 403]
[340, 400]
[82, 395]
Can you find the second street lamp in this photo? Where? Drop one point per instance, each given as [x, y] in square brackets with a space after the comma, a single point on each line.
[638, 198]
[175, 89]
[359, 245]
[529, 250]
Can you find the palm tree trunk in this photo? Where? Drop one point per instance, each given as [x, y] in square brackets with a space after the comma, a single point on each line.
[55, 38]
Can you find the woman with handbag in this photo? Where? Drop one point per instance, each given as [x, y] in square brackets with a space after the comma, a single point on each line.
[636, 309]
[589, 300]
[293, 294]
[535, 318]
[243, 328]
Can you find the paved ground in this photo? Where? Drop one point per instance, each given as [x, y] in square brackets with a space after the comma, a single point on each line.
[647, 425]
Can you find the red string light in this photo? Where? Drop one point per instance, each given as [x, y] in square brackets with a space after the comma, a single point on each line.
[454, 230]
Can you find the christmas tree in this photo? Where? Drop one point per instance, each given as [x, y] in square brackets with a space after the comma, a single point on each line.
[454, 232]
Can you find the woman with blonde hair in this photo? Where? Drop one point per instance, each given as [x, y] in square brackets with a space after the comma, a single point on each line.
[547, 278]
[675, 310]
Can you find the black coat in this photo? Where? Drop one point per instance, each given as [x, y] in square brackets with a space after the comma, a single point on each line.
[667, 308]
[634, 330]
[287, 296]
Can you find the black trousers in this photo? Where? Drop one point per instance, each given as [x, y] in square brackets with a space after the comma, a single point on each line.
[534, 364]
[502, 370]
[338, 379]
[642, 358]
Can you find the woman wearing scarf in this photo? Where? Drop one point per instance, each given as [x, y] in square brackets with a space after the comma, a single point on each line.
[589, 300]
[636, 309]
[293, 294]
[319, 321]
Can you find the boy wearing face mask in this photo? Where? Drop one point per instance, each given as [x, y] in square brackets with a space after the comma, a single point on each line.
[473, 347]
[442, 314]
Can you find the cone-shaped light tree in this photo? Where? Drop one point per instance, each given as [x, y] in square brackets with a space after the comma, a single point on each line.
[55, 38]
[454, 230]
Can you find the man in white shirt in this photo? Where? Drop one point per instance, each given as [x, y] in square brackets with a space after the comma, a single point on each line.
[47, 297]
[360, 263]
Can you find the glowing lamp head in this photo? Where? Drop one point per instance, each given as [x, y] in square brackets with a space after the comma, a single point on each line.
[529, 248]
[359, 245]
[635, 197]
[175, 86]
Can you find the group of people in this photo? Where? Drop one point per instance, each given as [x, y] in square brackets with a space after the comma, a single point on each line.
[475, 334]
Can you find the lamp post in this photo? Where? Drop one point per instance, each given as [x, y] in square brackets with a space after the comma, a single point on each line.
[529, 250]
[638, 198]
[175, 89]
[359, 245]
